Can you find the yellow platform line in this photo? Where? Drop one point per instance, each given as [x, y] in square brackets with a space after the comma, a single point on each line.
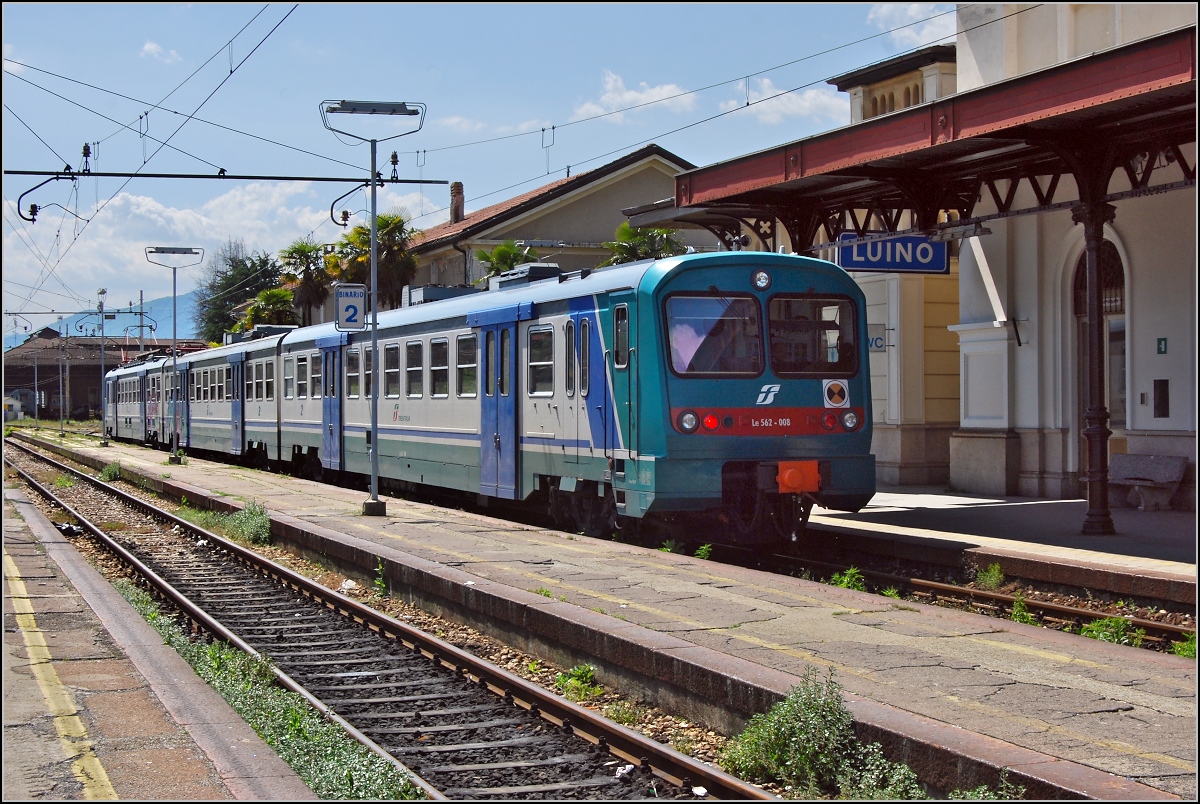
[72, 734]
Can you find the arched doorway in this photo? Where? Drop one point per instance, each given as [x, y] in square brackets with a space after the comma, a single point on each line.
[1112, 291]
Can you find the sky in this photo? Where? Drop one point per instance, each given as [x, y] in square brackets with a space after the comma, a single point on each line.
[514, 96]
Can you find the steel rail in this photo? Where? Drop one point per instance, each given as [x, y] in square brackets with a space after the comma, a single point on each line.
[201, 618]
[625, 743]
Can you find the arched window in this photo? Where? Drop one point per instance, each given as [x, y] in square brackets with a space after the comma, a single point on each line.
[1112, 282]
[916, 94]
[891, 102]
[874, 107]
[907, 97]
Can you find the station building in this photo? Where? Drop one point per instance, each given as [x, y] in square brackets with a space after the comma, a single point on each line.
[1045, 134]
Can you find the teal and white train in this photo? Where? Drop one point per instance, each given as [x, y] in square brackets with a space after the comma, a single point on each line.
[734, 383]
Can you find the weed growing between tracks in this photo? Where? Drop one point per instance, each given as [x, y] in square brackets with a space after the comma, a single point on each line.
[1186, 648]
[1117, 630]
[251, 524]
[329, 762]
[806, 743]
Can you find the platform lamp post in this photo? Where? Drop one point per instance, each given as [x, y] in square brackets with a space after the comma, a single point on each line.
[176, 386]
[374, 506]
[101, 293]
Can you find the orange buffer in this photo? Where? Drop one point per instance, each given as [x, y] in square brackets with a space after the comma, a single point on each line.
[796, 477]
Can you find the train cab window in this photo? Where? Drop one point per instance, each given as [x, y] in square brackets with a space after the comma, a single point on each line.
[315, 360]
[621, 336]
[439, 368]
[714, 335]
[391, 371]
[585, 356]
[505, 361]
[467, 347]
[489, 362]
[289, 377]
[368, 370]
[269, 384]
[352, 374]
[812, 336]
[569, 356]
[414, 364]
[541, 362]
[302, 377]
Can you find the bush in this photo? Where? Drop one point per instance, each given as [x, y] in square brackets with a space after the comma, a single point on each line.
[1020, 611]
[991, 578]
[252, 523]
[1186, 648]
[579, 683]
[1117, 630]
[111, 472]
[851, 578]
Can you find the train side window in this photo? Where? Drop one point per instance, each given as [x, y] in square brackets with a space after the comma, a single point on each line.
[289, 377]
[302, 377]
[467, 347]
[269, 385]
[352, 374]
[192, 386]
[569, 356]
[368, 370]
[585, 357]
[202, 391]
[505, 362]
[414, 363]
[249, 367]
[259, 386]
[541, 362]
[212, 385]
[621, 336]
[228, 382]
[489, 362]
[315, 359]
[439, 368]
[391, 370]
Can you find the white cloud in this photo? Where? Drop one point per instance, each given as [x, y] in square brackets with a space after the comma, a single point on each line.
[457, 123]
[155, 51]
[887, 16]
[9, 66]
[617, 96]
[811, 103]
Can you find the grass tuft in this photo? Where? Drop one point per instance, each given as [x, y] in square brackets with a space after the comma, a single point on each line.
[1186, 648]
[579, 683]
[111, 472]
[991, 578]
[851, 578]
[1117, 630]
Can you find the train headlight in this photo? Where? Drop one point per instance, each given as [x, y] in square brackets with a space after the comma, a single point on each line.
[850, 420]
[761, 280]
[688, 421]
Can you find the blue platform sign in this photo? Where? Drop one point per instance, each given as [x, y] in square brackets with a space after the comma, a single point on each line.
[911, 254]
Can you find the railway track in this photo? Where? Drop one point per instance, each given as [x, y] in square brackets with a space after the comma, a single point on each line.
[1158, 635]
[464, 728]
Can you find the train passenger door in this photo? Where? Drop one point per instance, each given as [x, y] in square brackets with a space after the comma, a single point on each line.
[237, 404]
[179, 435]
[331, 404]
[623, 357]
[499, 447]
[591, 408]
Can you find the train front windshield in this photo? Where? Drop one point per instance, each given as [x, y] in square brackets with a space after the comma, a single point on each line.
[809, 336]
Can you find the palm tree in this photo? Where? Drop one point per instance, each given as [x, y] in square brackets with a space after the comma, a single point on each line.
[397, 266]
[304, 262]
[271, 306]
[632, 245]
[504, 257]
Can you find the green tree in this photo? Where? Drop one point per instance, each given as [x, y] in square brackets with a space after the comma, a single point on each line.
[504, 257]
[304, 263]
[397, 266]
[632, 245]
[270, 306]
[231, 276]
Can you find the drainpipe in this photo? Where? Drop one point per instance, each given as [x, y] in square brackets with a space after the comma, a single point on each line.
[466, 267]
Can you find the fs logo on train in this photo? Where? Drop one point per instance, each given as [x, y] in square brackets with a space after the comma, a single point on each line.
[837, 395]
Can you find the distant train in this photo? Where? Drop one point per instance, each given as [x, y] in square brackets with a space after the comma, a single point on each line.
[735, 383]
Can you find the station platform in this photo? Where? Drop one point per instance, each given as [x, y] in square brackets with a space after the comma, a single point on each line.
[956, 695]
[96, 706]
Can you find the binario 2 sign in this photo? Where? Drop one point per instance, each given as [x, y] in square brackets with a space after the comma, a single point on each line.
[351, 302]
[905, 254]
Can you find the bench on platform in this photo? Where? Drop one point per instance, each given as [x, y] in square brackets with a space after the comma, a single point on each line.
[1147, 481]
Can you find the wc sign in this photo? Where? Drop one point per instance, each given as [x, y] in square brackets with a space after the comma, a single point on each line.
[876, 338]
[905, 254]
